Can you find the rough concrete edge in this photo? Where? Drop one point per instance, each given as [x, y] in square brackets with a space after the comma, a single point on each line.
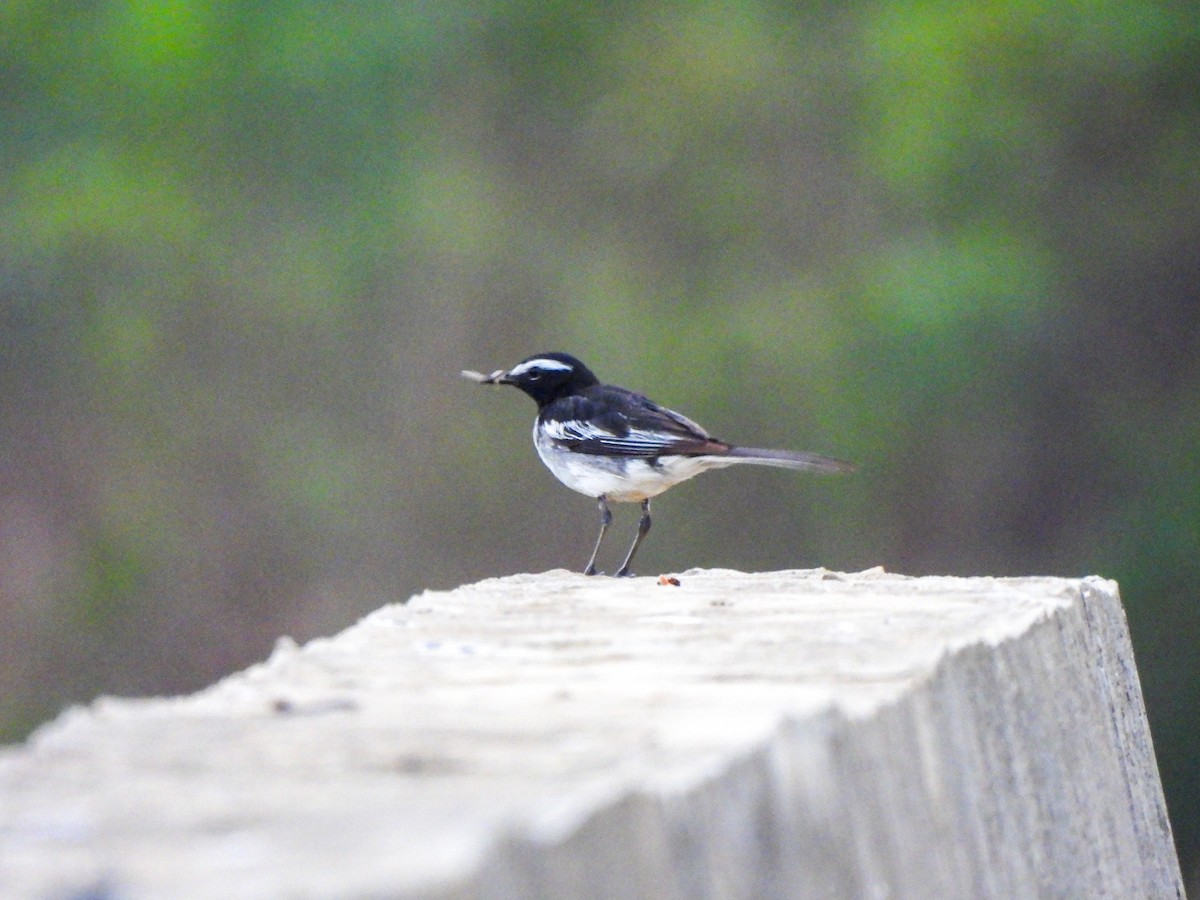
[1117, 668]
[597, 858]
[286, 648]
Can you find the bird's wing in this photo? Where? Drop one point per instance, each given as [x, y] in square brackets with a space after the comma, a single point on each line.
[615, 422]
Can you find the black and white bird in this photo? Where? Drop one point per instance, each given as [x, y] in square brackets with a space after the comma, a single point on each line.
[616, 445]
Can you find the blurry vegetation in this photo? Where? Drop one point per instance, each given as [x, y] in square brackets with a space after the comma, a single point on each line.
[246, 247]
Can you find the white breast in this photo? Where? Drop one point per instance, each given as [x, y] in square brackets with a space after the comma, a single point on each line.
[621, 479]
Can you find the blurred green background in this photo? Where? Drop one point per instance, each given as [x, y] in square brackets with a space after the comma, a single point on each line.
[245, 248]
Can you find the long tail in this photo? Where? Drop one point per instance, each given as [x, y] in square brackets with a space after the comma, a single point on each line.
[788, 459]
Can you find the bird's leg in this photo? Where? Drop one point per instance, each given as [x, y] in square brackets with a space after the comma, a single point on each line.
[643, 528]
[605, 521]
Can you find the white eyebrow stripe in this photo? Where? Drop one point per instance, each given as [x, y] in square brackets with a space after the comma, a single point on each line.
[546, 365]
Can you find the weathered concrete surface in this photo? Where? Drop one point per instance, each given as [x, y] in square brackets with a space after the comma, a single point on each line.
[782, 734]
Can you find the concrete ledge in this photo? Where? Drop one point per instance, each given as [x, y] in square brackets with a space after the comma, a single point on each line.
[783, 734]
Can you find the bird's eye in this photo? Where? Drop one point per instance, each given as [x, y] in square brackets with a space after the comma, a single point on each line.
[535, 376]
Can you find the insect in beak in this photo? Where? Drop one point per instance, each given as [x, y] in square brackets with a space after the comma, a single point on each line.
[498, 377]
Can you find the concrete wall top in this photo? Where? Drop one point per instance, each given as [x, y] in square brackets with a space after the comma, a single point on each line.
[789, 733]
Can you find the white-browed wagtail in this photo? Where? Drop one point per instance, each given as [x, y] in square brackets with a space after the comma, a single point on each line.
[616, 445]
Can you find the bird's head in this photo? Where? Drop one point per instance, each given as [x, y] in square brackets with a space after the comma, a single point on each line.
[544, 377]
